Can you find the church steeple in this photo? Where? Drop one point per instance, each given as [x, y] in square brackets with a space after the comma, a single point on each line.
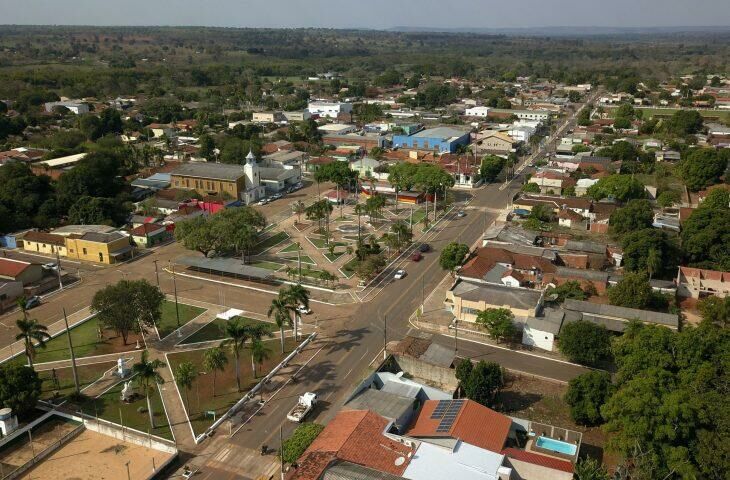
[250, 158]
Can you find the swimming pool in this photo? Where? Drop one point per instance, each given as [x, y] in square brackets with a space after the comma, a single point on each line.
[556, 445]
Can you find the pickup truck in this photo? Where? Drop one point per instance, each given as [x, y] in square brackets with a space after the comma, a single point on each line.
[305, 405]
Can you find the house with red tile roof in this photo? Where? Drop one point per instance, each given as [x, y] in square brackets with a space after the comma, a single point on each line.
[358, 437]
[700, 282]
[19, 271]
[150, 234]
[495, 264]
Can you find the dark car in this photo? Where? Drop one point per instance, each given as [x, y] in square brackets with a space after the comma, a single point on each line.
[33, 301]
[416, 257]
[425, 247]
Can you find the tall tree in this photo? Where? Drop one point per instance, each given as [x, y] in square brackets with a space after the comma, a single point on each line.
[147, 377]
[499, 322]
[280, 311]
[238, 334]
[20, 389]
[33, 334]
[585, 342]
[185, 375]
[260, 352]
[632, 291]
[128, 306]
[295, 296]
[586, 395]
[215, 360]
[452, 256]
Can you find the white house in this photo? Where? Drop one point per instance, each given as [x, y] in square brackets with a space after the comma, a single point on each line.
[329, 109]
[76, 107]
[521, 133]
[477, 112]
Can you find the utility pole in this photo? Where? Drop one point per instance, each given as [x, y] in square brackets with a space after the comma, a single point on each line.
[299, 261]
[71, 349]
[423, 294]
[281, 450]
[174, 286]
[385, 336]
[58, 269]
[456, 336]
[157, 274]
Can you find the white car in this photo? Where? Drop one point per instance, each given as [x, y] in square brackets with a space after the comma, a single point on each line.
[304, 310]
[50, 266]
[262, 202]
[400, 274]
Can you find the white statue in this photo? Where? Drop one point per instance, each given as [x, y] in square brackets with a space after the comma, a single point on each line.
[122, 369]
[127, 391]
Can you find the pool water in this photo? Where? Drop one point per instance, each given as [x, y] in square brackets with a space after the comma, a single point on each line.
[556, 445]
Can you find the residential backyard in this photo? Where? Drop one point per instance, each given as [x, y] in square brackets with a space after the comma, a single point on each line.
[203, 399]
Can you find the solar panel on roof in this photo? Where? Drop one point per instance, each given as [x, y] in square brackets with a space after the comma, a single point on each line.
[440, 409]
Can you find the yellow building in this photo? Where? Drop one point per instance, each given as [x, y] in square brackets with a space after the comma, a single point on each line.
[466, 299]
[100, 247]
[45, 243]
[210, 179]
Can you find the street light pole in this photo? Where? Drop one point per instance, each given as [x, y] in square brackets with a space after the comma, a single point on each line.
[71, 349]
[385, 337]
[58, 269]
[157, 274]
[174, 286]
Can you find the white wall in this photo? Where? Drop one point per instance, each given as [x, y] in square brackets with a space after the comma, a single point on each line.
[538, 338]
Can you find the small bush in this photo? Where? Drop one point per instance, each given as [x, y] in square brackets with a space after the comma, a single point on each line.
[300, 440]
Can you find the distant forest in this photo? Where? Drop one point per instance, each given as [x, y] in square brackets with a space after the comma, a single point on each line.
[130, 60]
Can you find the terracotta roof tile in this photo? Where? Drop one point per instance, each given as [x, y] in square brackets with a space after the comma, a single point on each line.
[12, 268]
[537, 459]
[43, 237]
[474, 424]
[355, 436]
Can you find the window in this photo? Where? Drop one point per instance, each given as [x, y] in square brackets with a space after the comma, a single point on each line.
[470, 311]
[101, 257]
[84, 250]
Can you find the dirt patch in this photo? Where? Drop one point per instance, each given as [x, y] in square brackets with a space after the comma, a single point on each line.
[542, 401]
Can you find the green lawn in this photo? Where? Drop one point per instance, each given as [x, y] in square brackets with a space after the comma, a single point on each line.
[321, 243]
[202, 397]
[215, 330]
[86, 343]
[333, 258]
[168, 320]
[273, 240]
[348, 269]
[418, 217]
[268, 265]
[292, 247]
[306, 259]
[133, 415]
[64, 384]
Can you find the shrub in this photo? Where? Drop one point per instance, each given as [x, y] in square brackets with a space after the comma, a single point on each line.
[300, 440]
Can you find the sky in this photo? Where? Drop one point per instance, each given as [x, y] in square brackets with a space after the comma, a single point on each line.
[378, 14]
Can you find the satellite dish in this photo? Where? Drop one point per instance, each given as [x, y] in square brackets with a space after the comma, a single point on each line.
[400, 461]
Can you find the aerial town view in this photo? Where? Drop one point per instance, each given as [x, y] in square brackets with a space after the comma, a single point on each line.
[422, 240]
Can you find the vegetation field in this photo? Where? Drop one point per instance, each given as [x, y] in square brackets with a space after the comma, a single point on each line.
[269, 242]
[268, 265]
[133, 415]
[86, 343]
[63, 384]
[201, 398]
[168, 320]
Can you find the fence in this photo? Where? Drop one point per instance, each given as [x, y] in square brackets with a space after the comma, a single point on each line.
[252, 393]
[44, 453]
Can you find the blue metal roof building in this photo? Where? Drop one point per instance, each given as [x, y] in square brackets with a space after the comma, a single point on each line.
[440, 139]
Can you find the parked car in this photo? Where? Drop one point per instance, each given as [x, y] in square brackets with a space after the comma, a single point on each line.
[424, 247]
[461, 214]
[32, 302]
[416, 257]
[304, 310]
[50, 266]
[400, 274]
[263, 202]
[276, 196]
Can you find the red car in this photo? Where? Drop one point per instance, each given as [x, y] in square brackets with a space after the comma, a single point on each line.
[416, 257]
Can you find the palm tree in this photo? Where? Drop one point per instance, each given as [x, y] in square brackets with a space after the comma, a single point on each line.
[280, 311]
[147, 377]
[239, 333]
[23, 306]
[294, 296]
[31, 331]
[185, 375]
[299, 208]
[260, 352]
[215, 360]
